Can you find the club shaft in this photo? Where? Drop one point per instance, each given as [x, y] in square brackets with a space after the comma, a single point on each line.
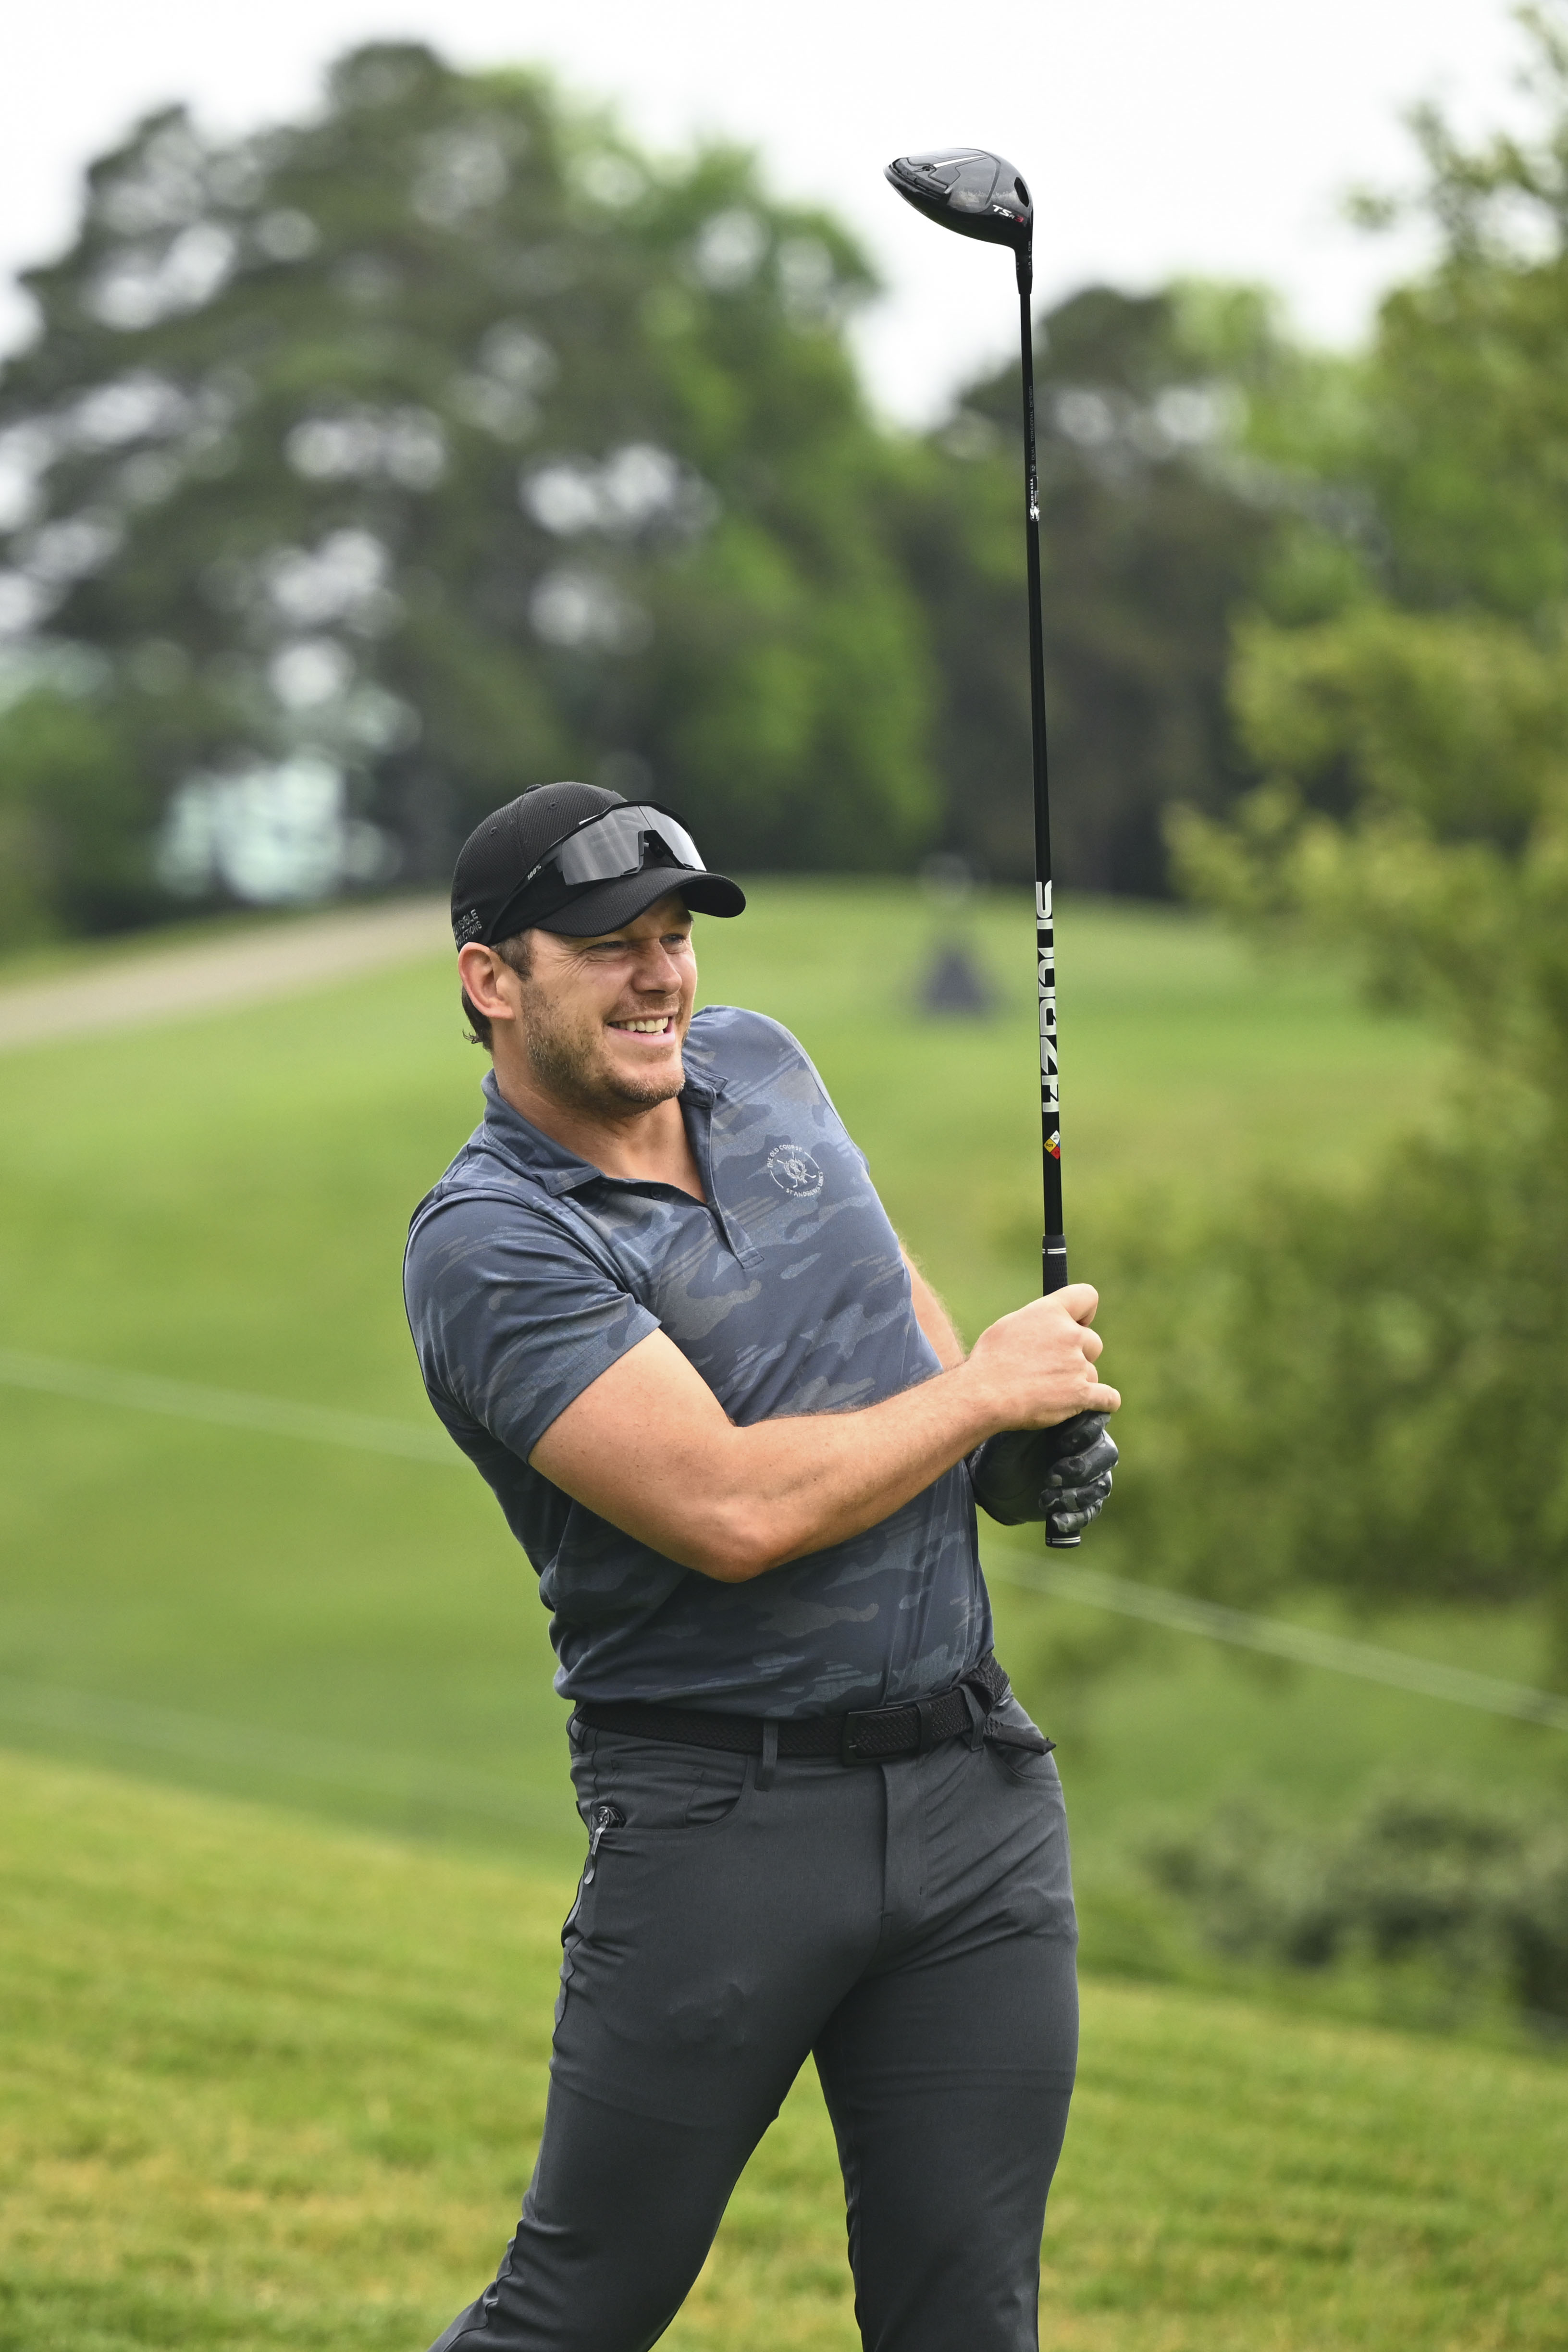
[1053, 1250]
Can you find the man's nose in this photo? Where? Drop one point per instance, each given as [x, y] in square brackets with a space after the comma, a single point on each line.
[657, 971]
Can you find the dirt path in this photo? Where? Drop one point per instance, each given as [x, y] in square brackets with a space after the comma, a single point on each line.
[181, 982]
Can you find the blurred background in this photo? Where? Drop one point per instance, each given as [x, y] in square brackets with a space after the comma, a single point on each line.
[397, 411]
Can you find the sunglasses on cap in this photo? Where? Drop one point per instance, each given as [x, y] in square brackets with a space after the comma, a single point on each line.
[616, 842]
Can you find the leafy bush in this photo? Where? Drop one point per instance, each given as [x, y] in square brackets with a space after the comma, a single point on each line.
[1478, 1891]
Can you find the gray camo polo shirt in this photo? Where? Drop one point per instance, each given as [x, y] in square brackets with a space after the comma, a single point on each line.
[528, 1272]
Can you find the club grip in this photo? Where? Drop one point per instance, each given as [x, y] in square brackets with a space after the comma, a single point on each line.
[1054, 1275]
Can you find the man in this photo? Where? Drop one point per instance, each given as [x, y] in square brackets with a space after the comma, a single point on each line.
[657, 1302]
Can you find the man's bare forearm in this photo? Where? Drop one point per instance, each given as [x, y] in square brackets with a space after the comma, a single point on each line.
[798, 1485]
[649, 1447]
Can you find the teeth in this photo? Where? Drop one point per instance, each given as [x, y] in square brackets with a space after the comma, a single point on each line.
[647, 1028]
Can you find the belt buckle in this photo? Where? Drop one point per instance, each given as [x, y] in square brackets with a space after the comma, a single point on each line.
[848, 1753]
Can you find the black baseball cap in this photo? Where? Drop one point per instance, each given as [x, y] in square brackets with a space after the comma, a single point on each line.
[545, 863]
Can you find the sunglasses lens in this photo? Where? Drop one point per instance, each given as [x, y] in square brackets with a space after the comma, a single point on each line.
[623, 841]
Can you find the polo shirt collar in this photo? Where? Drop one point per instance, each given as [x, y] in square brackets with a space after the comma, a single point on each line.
[537, 1155]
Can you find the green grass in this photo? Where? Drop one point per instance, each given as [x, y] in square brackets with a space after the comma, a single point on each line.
[270, 2082]
[268, 2085]
[224, 1200]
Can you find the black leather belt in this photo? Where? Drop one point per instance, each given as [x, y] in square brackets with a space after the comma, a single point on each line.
[865, 1735]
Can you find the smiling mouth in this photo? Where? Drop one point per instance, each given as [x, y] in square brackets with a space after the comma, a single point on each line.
[662, 1026]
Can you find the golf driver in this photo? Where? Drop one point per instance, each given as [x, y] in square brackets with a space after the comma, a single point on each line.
[980, 195]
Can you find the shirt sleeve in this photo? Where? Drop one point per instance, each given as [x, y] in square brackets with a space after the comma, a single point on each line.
[512, 1318]
[817, 1081]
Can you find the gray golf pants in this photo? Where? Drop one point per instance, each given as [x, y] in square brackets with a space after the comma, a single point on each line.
[910, 1925]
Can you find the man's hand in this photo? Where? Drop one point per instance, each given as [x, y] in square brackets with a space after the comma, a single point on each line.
[1038, 1363]
[1061, 1476]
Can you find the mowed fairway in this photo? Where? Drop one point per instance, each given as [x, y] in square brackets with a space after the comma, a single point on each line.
[272, 2085]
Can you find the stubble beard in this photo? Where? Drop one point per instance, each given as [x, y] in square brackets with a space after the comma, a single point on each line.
[564, 1065]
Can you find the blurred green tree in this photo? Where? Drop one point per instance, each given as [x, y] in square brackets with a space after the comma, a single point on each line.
[1377, 1388]
[1161, 517]
[369, 468]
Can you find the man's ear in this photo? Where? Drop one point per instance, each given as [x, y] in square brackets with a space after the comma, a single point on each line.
[481, 969]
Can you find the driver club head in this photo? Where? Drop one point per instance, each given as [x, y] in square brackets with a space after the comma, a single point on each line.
[970, 190]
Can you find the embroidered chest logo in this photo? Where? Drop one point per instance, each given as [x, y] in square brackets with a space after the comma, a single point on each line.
[794, 1171]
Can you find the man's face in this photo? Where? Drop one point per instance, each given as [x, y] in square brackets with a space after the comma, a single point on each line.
[602, 1021]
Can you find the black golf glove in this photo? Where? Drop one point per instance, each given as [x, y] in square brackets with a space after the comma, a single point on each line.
[1061, 1476]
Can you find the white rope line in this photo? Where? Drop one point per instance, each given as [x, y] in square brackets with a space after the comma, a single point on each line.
[1302, 1644]
[232, 1408]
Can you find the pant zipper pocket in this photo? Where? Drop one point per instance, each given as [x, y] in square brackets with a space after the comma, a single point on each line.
[604, 1817]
